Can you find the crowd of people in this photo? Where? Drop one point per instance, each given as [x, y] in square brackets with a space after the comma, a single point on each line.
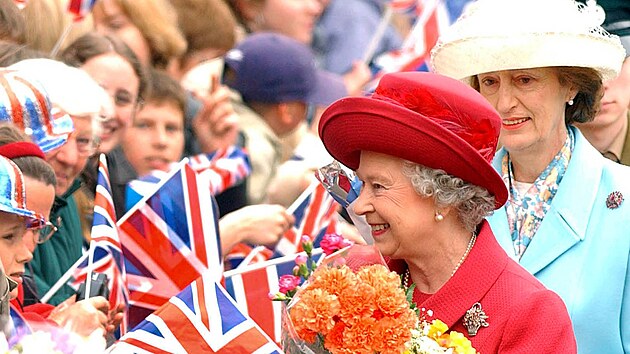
[495, 183]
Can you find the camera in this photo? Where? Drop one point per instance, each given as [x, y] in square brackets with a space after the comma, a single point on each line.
[98, 287]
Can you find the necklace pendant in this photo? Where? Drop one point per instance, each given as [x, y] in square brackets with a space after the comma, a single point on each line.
[474, 319]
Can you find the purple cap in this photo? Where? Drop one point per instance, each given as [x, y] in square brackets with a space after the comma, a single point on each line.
[273, 68]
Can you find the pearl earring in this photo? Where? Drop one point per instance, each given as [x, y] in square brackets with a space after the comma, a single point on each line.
[570, 102]
[438, 216]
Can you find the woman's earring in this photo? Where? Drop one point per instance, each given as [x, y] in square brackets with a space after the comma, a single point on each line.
[570, 102]
[438, 216]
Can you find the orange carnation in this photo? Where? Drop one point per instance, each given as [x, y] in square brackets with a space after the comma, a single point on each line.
[377, 276]
[357, 302]
[332, 279]
[392, 300]
[334, 339]
[315, 311]
[358, 338]
[389, 337]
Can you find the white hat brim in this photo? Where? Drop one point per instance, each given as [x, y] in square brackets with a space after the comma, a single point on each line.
[461, 59]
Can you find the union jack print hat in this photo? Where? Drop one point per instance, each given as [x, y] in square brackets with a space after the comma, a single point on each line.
[13, 192]
[25, 103]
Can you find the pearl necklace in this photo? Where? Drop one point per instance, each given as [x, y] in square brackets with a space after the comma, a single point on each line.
[471, 243]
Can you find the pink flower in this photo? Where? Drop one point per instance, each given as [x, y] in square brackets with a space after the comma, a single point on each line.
[333, 242]
[306, 239]
[288, 283]
[300, 259]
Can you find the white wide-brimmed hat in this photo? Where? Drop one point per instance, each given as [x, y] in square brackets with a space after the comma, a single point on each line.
[494, 35]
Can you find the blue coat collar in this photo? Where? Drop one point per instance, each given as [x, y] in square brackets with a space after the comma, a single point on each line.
[565, 224]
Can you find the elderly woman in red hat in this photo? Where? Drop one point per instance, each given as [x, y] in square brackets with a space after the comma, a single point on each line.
[422, 145]
[566, 220]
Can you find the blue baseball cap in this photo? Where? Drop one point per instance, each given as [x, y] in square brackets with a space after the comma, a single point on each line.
[273, 68]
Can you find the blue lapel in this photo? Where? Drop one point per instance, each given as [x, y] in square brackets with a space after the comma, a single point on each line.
[565, 223]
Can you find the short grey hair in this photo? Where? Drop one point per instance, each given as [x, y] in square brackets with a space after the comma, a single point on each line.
[472, 203]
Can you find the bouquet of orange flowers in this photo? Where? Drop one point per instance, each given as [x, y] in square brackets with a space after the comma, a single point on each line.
[352, 303]
[345, 307]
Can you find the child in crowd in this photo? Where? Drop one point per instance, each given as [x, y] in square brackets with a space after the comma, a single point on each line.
[155, 141]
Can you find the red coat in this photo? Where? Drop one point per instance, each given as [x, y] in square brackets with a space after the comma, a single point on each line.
[36, 314]
[523, 316]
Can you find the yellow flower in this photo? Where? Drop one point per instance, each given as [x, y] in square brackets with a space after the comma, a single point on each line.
[437, 328]
[461, 344]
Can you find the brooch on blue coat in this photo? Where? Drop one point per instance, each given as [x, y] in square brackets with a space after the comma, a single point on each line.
[614, 200]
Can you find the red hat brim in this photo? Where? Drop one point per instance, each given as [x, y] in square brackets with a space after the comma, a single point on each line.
[354, 124]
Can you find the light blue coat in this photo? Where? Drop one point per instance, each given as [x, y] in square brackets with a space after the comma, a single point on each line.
[582, 249]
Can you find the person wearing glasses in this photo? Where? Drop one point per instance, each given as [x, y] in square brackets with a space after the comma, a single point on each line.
[82, 317]
[39, 180]
[15, 218]
[75, 94]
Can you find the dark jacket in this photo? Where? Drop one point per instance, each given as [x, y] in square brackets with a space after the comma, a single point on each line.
[53, 258]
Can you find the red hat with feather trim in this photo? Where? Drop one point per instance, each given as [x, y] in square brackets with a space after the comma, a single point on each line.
[424, 118]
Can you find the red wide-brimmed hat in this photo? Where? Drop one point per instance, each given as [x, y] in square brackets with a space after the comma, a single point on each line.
[422, 117]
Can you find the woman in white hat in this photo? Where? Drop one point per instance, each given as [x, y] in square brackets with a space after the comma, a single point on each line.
[541, 64]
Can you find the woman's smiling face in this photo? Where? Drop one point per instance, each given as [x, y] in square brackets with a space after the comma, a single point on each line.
[531, 103]
[400, 218]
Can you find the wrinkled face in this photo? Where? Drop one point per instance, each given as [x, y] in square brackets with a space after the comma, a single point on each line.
[39, 198]
[117, 77]
[531, 103]
[155, 139]
[70, 159]
[109, 18]
[14, 251]
[293, 18]
[400, 218]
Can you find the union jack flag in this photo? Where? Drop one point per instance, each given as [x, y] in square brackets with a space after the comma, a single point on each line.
[315, 213]
[105, 236]
[80, 8]
[169, 239]
[244, 254]
[432, 18]
[223, 168]
[18, 326]
[251, 285]
[202, 318]
[105, 255]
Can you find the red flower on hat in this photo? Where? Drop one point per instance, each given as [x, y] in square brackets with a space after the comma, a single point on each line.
[481, 134]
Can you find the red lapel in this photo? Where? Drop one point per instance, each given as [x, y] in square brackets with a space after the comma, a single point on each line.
[471, 282]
